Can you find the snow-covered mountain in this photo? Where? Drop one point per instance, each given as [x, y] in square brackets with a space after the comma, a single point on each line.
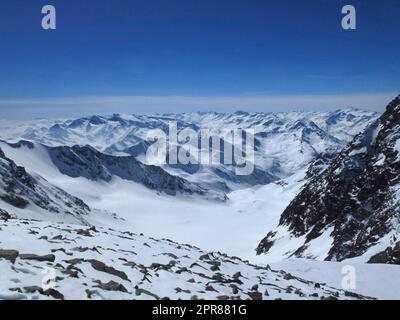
[101, 161]
[351, 209]
[89, 158]
[21, 190]
[91, 164]
[284, 142]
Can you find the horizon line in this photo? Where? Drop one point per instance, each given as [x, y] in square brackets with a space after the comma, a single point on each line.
[70, 106]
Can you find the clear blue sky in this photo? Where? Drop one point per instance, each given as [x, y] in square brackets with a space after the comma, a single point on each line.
[191, 49]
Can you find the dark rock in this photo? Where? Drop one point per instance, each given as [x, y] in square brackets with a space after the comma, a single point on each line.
[391, 255]
[160, 266]
[33, 289]
[205, 257]
[329, 298]
[47, 257]
[89, 293]
[10, 255]
[237, 275]
[83, 232]
[139, 291]
[111, 286]
[219, 277]
[214, 268]
[59, 237]
[53, 293]
[100, 266]
[15, 200]
[4, 215]
[74, 261]
[235, 289]
[179, 290]
[71, 273]
[288, 276]
[255, 295]
[210, 288]
[49, 292]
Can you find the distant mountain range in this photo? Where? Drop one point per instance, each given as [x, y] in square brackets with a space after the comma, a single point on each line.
[284, 142]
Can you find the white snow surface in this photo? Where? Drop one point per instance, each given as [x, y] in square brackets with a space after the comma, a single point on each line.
[228, 227]
[235, 227]
[378, 280]
[60, 261]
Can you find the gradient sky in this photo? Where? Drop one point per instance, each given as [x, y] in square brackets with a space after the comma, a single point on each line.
[184, 55]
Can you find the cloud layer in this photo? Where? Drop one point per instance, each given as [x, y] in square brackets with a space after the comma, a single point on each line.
[77, 106]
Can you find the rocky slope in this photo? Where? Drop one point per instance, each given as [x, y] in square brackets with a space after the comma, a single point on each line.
[19, 189]
[352, 208]
[87, 162]
[61, 261]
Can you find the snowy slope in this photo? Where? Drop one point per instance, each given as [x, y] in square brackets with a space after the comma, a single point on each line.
[352, 208]
[289, 142]
[21, 190]
[59, 261]
[91, 164]
[378, 280]
[207, 224]
[93, 159]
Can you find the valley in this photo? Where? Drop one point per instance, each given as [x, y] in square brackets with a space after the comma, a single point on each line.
[100, 161]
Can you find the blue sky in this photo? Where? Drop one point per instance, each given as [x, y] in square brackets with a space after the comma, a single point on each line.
[184, 55]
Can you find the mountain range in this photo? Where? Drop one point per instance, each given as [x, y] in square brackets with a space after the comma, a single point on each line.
[284, 142]
[325, 187]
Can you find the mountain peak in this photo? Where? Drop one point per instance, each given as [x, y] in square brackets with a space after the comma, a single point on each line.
[394, 105]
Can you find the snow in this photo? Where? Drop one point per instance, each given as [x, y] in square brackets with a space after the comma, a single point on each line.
[397, 148]
[235, 227]
[358, 151]
[319, 247]
[138, 266]
[381, 160]
[374, 280]
[209, 225]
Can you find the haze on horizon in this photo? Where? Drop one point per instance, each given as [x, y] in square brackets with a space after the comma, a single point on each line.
[87, 106]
